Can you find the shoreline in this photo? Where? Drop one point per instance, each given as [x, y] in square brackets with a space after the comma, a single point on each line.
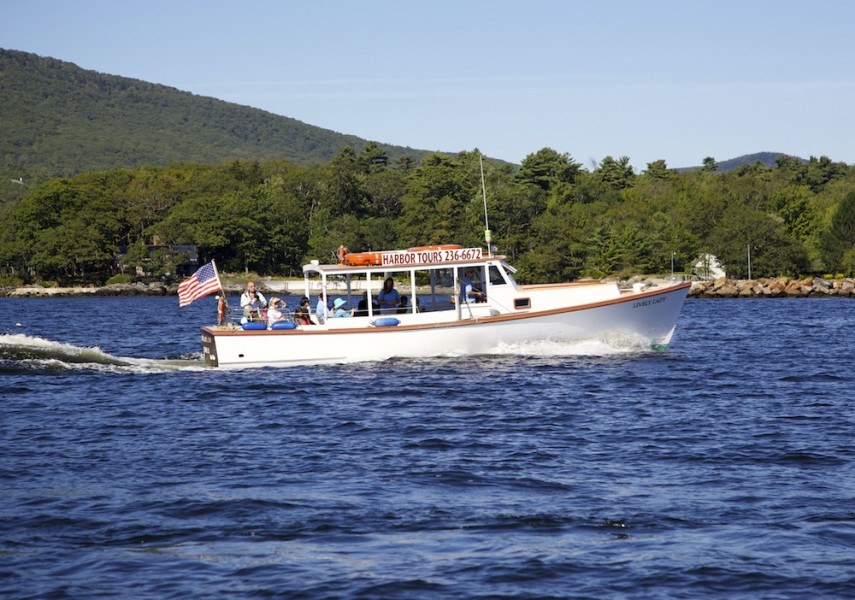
[775, 287]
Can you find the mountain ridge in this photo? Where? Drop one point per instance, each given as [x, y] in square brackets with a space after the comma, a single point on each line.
[61, 120]
[766, 158]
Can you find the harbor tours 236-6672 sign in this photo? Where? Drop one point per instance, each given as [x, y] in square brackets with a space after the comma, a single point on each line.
[428, 256]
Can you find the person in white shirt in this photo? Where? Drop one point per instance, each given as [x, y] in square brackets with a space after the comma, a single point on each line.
[252, 303]
[274, 313]
[322, 311]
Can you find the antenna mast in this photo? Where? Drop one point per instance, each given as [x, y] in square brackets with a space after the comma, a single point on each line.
[487, 234]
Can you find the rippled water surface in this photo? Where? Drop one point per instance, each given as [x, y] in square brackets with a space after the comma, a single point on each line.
[720, 468]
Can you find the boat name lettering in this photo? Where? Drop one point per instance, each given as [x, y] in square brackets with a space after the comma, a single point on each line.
[429, 257]
[648, 302]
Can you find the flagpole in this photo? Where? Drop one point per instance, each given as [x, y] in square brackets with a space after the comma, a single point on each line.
[217, 275]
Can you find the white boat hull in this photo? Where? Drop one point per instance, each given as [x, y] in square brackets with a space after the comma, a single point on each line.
[649, 316]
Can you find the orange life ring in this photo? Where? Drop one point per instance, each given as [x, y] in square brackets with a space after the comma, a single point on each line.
[439, 247]
[222, 305]
[362, 259]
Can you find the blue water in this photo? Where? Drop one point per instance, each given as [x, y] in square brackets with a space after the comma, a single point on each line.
[722, 468]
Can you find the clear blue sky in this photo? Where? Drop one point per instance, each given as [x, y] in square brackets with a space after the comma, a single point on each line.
[673, 80]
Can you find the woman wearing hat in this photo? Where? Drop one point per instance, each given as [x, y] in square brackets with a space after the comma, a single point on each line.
[339, 311]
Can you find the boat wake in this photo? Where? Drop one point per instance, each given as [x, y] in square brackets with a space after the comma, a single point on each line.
[607, 345]
[20, 352]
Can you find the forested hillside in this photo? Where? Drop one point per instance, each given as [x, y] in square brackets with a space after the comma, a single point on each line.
[60, 120]
[553, 218]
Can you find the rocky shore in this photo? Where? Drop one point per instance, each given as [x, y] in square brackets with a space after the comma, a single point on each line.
[777, 287]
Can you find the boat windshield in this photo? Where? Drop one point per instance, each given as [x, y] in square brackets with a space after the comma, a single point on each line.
[509, 271]
[496, 277]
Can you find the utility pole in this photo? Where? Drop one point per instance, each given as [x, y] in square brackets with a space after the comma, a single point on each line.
[749, 262]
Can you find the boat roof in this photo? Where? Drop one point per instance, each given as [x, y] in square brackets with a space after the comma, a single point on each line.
[403, 260]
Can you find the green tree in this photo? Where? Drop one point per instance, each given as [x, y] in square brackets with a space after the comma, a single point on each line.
[710, 164]
[793, 205]
[513, 211]
[616, 174]
[547, 168]
[346, 195]
[434, 205]
[772, 251]
[147, 198]
[67, 230]
[373, 158]
[839, 239]
[287, 222]
[659, 170]
[819, 172]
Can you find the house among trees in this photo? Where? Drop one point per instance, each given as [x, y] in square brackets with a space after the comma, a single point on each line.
[158, 260]
[708, 266]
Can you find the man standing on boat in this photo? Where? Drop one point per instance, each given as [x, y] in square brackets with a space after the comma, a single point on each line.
[252, 302]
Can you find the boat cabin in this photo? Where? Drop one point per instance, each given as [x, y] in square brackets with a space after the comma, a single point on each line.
[428, 279]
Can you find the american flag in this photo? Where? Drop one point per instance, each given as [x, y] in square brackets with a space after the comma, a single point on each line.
[203, 282]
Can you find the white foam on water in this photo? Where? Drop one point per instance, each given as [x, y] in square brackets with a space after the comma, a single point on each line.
[40, 353]
[606, 345]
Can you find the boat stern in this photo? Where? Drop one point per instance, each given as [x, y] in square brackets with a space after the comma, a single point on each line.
[209, 348]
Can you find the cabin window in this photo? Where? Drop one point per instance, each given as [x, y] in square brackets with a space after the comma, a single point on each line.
[439, 292]
[522, 303]
[496, 276]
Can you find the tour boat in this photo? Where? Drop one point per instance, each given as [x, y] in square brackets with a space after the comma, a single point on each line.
[437, 319]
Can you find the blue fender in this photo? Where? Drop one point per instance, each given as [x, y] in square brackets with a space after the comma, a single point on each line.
[385, 322]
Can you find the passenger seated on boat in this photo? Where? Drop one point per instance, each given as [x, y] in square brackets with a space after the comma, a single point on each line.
[274, 313]
[388, 298]
[253, 303]
[468, 292]
[362, 306]
[340, 311]
[303, 312]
